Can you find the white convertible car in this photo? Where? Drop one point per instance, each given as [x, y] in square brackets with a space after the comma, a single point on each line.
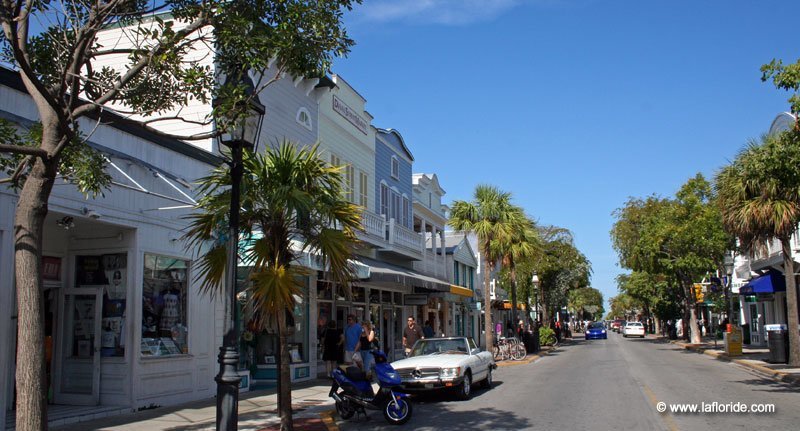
[451, 363]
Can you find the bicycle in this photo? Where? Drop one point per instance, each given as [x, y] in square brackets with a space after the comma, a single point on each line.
[509, 348]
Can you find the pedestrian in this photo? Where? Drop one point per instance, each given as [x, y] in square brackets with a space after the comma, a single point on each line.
[428, 329]
[351, 337]
[498, 329]
[365, 347]
[521, 330]
[411, 334]
[332, 343]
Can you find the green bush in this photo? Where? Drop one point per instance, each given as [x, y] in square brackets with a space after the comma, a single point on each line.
[547, 337]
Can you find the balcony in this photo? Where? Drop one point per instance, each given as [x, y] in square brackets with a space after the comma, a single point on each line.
[389, 236]
[404, 241]
[374, 231]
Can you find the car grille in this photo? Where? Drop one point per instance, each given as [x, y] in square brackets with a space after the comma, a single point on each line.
[421, 373]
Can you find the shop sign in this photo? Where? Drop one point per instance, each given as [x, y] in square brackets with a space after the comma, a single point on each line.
[350, 115]
[415, 299]
[51, 268]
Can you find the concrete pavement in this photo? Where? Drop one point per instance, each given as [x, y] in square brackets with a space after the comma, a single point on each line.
[257, 412]
[752, 358]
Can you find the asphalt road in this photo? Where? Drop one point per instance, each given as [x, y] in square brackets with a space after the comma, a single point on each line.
[613, 384]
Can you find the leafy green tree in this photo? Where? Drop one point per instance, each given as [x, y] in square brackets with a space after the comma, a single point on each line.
[493, 219]
[586, 302]
[523, 244]
[287, 195]
[682, 238]
[561, 268]
[785, 77]
[55, 48]
[759, 196]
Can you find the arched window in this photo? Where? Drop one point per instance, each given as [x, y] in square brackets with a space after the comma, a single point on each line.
[304, 118]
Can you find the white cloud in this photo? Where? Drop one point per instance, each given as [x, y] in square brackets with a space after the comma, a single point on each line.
[446, 12]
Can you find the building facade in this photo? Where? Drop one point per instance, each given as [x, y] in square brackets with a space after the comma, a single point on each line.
[126, 326]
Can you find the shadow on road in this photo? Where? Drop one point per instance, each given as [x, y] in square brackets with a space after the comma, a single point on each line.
[768, 385]
[437, 417]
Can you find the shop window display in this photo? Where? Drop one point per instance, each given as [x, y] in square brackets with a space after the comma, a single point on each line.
[108, 271]
[164, 291]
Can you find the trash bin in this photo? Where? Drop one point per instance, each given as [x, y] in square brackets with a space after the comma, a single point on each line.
[778, 342]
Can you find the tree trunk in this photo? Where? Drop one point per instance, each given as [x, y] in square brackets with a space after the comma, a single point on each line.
[285, 393]
[791, 304]
[657, 323]
[487, 309]
[29, 220]
[691, 307]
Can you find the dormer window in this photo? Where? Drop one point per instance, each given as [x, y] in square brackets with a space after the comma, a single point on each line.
[395, 168]
[304, 118]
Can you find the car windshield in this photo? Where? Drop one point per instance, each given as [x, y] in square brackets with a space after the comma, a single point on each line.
[634, 324]
[439, 346]
[596, 325]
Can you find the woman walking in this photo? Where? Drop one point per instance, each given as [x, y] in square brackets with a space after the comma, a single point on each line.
[332, 352]
[365, 346]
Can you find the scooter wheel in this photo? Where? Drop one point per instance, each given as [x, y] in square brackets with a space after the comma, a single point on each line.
[345, 412]
[397, 413]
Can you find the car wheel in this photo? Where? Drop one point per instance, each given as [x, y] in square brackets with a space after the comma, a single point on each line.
[487, 382]
[465, 388]
[624, 336]
[398, 412]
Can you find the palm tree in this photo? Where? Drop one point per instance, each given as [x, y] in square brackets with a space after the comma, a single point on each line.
[759, 196]
[291, 202]
[491, 216]
[523, 244]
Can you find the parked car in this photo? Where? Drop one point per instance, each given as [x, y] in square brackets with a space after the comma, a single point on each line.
[617, 324]
[452, 363]
[595, 331]
[632, 329]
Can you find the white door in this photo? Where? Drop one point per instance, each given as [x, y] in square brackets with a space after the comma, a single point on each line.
[78, 375]
[755, 325]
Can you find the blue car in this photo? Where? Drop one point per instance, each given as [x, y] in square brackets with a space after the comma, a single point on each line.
[596, 331]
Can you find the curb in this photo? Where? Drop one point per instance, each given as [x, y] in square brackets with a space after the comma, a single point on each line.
[528, 359]
[777, 375]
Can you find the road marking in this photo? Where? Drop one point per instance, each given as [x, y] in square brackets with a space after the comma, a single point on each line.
[665, 417]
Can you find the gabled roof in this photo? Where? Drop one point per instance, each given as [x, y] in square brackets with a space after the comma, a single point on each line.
[428, 179]
[399, 139]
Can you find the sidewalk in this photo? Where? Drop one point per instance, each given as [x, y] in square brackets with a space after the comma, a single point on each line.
[257, 412]
[531, 357]
[753, 358]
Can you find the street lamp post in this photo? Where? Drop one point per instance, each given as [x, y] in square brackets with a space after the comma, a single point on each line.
[243, 132]
[729, 263]
[535, 283]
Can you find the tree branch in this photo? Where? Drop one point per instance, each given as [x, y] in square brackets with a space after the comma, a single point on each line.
[20, 149]
[137, 68]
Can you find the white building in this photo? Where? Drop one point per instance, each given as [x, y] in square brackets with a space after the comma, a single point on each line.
[126, 326]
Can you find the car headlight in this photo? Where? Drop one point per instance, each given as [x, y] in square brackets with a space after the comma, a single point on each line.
[603, 331]
[449, 372]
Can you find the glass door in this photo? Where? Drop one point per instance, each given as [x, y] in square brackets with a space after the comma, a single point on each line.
[78, 380]
[755, 325]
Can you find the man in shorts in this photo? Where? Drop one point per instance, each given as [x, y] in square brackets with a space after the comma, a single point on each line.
[352, 333]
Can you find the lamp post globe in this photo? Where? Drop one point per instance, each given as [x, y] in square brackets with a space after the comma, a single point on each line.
[242, 132]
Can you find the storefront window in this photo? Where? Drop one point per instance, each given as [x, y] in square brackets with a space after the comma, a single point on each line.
[358, 294]
[164, 324]
[111, 273]
[266, 342]
[324, 290]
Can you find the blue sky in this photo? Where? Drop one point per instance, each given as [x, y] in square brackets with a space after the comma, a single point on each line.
[571, 105]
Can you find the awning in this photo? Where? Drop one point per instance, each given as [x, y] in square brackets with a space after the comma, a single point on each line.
[461, 291]
[386, 273]
[307, 258]
[771, 282]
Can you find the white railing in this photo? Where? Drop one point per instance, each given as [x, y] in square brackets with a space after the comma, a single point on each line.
[374, 224]
[404, 237]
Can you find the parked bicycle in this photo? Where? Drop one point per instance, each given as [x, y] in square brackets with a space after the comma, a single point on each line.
[509, 348]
